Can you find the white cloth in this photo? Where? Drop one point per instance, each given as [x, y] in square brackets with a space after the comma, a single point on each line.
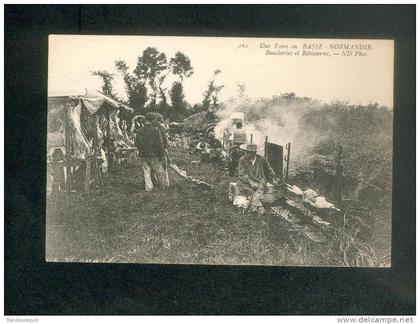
[253, 160]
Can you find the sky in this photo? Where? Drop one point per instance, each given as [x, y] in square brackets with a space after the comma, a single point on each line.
[356, 79]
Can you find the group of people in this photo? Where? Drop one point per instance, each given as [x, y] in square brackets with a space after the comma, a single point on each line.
[253, 170]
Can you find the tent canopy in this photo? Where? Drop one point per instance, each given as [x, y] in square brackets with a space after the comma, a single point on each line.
[93, 100]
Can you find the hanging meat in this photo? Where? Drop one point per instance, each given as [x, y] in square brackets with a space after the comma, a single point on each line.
[81, 146]
[117, 133]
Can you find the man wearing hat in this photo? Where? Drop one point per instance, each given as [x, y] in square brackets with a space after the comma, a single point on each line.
[239, 134]
[158, 123]
[137, 122]
[152, 152]
[254, 172]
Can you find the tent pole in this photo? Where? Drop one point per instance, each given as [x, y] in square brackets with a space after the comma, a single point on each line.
[96, 152]
[87, 176]
[67, 146]
[265, 146]
[110, 161]
[287, 162]
[339, 175]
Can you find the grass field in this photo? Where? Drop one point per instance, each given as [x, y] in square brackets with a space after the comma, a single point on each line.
[185, 224]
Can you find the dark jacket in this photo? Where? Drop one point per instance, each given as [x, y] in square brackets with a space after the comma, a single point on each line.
[149, 142]
[164, 136]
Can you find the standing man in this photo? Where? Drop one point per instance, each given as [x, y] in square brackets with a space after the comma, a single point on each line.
[56, 153]
[239, 134]
[158, 123]
[254, 172]
[238, 138]
[152, 152]
[163, 132]
[137, 122]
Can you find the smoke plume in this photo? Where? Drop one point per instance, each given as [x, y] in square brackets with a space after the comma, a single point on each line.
[277, 118]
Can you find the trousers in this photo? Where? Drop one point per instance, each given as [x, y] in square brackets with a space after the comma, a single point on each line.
[255, 195]
[156, 166]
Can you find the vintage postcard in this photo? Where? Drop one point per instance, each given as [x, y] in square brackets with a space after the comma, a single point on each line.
[220, 150]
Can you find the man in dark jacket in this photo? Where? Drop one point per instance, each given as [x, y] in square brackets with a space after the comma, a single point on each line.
[158, 123]
[151, 149]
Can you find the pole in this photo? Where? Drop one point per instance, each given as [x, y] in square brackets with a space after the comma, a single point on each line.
[67, 144]
[338, 175]
[87, 175]
[96, 152]
[281, 163]
[265, 146]
[251, 138]
[287, 159]
[110, 161]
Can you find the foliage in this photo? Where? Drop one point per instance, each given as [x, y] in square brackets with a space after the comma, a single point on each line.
[241, 89]
[179, 105]
[151, 72]
[145, 86]
[364, 132]
[181, 66]
[163, 106]
[150, 68]
[107, 87]
[210, 100]
[135, 88]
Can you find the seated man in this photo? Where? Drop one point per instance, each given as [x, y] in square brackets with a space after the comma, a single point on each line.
[254, 172]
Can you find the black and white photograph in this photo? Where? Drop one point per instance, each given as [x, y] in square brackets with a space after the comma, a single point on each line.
[209, 159]
[220, 151]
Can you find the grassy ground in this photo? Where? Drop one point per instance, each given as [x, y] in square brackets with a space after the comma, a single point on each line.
[185, 224]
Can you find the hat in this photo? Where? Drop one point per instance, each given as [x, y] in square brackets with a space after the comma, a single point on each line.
[251, 147]
[158, 116]
[150, 116]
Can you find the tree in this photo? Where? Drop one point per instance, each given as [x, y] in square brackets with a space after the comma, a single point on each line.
[136, 89]
[163, 106]
[179, 105]
[145, 85]
[241, 89]
[181, 66]
[150, 67]
[107, 86]
[210, 100]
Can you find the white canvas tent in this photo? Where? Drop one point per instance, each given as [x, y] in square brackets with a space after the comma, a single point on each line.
[76, 142]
